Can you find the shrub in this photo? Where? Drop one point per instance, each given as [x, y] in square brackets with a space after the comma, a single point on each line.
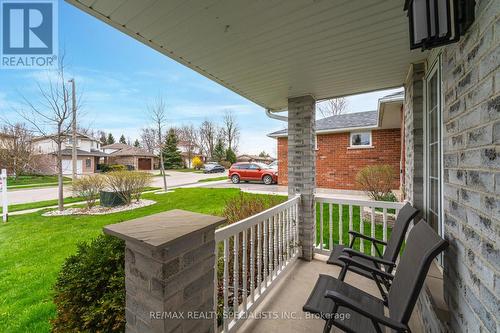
[116, 167]
[89, 187]
[90, 288]
[376, 180]
[225, 164]
[230, 156]
[197, 163]
[128, 184]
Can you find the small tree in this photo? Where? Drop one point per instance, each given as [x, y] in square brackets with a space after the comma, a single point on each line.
[197, 163]
[263, 154]
[171, 154]
[111, 139]
[102, 139]
[230, 156]
[376, 181]
[140, 181]
[89, 187]
[16, 150]
[127, 184]
[219, 151]
[123, 139]
[137, 144]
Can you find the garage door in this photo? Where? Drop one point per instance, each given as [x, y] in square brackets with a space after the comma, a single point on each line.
[67, 166]
[144, 164]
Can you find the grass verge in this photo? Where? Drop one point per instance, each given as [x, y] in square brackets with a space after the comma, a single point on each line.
[213, 179]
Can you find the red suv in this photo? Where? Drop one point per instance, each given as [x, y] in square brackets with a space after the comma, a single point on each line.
[252, 171]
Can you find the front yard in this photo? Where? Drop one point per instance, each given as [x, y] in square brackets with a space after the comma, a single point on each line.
[33, 181]
[33, 248]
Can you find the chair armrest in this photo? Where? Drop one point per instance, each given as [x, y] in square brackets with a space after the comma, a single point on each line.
[354, 253]
[357, 234]
[356, 306]
[349, 262]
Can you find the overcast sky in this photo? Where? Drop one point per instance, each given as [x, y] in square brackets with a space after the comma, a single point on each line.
[119, 77]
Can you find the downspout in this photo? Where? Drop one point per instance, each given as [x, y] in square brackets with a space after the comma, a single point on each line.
[275, 116]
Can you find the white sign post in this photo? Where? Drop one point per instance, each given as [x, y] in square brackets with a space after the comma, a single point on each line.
[3, 187]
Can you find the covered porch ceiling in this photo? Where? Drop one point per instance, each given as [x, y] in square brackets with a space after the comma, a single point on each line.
[270, 50]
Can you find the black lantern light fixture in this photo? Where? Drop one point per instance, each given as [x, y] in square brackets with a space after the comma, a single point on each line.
[435, 23]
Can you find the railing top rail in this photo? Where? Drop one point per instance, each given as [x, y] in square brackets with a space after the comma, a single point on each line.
[232, 229]
[359, 202]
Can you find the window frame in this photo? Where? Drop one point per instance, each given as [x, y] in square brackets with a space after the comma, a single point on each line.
[370, 145]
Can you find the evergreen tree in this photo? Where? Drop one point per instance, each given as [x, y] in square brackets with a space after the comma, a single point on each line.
[230, 156]
[111, 139]
[123, 140]
[263, 154]
[102, 140]
[219, 151]
[137, 144]
[171, 154]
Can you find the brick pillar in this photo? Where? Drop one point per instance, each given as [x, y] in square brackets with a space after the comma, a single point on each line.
[169, 271]
[302, 165]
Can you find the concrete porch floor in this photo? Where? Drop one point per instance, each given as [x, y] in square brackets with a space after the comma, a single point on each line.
[290, 294]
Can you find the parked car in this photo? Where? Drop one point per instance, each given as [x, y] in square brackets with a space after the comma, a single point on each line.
[273, 165]
[213, 168]
[247, 171]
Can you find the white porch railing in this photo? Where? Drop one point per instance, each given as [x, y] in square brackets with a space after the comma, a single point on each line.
[265, 244]
[337, 216]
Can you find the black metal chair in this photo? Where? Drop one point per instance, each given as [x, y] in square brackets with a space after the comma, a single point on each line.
[360, 261]
[354, 310]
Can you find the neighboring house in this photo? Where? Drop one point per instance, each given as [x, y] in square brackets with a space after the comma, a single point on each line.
[88, 154]
[255, 158]
[189, 151]
[137, 158]
[348, 142]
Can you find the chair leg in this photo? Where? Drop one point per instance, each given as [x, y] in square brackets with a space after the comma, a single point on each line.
[343, 272]
[328, 326]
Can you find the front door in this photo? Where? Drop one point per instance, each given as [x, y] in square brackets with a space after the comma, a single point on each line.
[433, 153]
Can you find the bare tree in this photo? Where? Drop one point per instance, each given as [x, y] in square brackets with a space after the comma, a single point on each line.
[158, 115]
[149, 138]
[51, 116]
[208, 133]
[231, 130]
[333, 107]
[16, 150]
[189, 137]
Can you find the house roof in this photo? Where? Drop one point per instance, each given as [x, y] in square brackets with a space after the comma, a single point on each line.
[269, 51]
[117, 145]
[340, 122]
[255, 157]
[132, 151]
[79, 152]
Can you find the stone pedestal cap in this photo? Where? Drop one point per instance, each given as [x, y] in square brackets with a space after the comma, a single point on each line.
[158, 230]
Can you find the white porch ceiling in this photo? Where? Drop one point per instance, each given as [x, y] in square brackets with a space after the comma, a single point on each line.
[269, 50]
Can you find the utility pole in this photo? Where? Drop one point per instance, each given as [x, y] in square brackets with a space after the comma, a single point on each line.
[74, 156]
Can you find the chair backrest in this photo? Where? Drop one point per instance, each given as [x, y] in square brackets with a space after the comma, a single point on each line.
[405, 216]
[422, 246]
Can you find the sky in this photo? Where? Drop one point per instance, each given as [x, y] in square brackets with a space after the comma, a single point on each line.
[118, 77]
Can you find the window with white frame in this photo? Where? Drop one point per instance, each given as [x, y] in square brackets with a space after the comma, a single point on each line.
[361, 139]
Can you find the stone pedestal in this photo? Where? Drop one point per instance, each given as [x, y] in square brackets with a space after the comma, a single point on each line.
[169, 271]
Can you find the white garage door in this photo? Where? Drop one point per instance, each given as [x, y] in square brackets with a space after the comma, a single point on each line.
[68, 167]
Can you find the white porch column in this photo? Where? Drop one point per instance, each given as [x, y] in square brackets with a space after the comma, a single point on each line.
[302, 165]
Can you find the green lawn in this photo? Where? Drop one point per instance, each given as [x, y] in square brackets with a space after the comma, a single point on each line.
[33, 180]
[185, 170]
[212, 179]
[40, 204]
[345, 225]
[33, 248]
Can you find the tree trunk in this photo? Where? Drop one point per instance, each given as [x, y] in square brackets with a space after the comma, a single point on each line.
[162, 171]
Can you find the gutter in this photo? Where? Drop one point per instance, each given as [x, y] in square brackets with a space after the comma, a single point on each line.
[270, 114]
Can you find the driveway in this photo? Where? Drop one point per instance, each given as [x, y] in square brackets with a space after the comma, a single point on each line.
[18, 196]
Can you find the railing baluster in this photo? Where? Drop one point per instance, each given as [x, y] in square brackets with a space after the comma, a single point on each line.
[216, 283]
[341, 225]
[275, 243]
[236, 283]
[287, 235]
[384, 230]
[252, 264]
[259, 257]
[330, 226]
[244, 271]
[265, 247]
[361, 229]
[280, 239]
[373, 229]
[350, 223]
[321, 226]
[225, 283]
[271, 248]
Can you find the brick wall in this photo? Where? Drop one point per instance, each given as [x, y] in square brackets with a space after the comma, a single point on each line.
[337, 164]
[471, 147]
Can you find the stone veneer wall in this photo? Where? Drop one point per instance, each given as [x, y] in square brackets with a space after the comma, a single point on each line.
[471, 147]
[413, 128]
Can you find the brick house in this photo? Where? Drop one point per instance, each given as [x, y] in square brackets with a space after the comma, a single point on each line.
[346, 143]
[136, 158]
[285, 56]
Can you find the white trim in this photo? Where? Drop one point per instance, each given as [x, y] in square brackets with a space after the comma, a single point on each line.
[370, 145]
